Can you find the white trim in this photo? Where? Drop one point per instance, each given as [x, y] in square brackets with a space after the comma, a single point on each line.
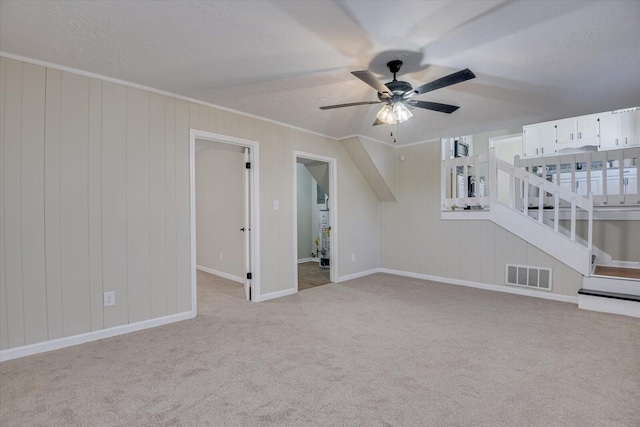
[278, 294]
[220, 274]
[255, 205]
[301, 260]
[31, 349]
[333, 212]
[150, 89]
[626, 264]
[471, 214]
[609, 305]
[485, 286]
[358, 275]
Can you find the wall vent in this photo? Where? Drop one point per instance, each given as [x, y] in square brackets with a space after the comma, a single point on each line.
[529, 277]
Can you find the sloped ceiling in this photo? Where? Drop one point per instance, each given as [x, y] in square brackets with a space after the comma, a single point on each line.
[535, 60]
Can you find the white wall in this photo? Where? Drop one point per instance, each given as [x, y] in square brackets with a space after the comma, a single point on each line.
[415, 239]
[305, 183]
[95, 197]
[220, 210]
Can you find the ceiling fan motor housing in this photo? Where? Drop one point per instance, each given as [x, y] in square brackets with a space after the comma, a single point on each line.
[397, 88]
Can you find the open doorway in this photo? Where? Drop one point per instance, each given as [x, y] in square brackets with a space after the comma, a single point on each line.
[315, 227]
[507, 147]
[224, 223]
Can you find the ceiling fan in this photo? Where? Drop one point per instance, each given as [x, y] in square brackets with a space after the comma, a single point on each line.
[396, 95]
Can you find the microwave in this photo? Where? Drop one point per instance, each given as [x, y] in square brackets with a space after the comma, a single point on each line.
[460, 149]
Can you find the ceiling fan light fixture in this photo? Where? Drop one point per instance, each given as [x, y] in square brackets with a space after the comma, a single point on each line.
[401, 112]
[386, 115]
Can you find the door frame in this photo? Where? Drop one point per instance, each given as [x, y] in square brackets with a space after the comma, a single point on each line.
[333, 213]
[254, 155]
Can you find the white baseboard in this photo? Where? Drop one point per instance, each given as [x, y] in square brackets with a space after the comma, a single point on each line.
[485, 286]
[220, 274]
[31, 349]
[357, 275]
[301, 260]
[278, 294]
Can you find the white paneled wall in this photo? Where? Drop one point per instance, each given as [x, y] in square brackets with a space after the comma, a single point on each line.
[95, 197]
[414, 238]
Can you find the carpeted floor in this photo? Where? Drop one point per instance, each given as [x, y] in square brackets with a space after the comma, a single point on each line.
[379, 350]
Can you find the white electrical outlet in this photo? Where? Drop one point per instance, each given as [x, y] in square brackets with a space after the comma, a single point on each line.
[221, 257]
[109, 298]
[353, 257]
[276, 205]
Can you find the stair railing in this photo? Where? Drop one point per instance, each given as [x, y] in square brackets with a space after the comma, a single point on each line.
[526, 186]
[612, 175]
[523, 186]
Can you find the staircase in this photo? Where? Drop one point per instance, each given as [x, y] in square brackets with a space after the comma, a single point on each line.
[612, 289]
[533, 213]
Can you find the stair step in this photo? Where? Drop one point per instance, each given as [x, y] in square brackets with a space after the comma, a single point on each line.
[618, 272]
[614, 295]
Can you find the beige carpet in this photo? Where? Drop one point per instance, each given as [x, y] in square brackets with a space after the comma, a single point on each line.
[379, 350]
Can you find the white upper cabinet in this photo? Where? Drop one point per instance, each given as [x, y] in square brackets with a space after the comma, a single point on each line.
[607, 130]
[539, 140]
[619, 130]
[579, 131]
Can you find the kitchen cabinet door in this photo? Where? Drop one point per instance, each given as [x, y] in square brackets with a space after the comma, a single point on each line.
[588, 131]
[630, 128]
[566, 131]
[579, 131]
[610, 131]
[539, 140]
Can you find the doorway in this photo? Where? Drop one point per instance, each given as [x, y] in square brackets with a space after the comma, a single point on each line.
[223, 203]
[507, 147]
[315, 227]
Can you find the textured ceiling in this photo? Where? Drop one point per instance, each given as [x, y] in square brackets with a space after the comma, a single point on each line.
[534, 60]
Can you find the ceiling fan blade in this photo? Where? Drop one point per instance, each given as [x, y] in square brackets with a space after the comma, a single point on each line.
[351, 104]
[442, 108]
[368, 77]
[378, 122]
[451, 79]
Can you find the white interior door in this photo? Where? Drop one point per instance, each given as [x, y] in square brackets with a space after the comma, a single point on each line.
[247, 226]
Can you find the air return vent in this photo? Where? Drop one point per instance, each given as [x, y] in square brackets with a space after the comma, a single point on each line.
[529, 277]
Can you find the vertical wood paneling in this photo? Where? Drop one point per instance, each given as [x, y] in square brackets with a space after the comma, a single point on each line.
[157, 203]
[474, 245]
[52, 203]
[12, 205]
[500, 258]
[182, 206]
[230, 124]
[487, 252]
[114, 201]
[170, 183]
[95, 204]
[74, 199]
[206, 119]
[32, 204]
[138, 265]
[245, 129]
[4, 329]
